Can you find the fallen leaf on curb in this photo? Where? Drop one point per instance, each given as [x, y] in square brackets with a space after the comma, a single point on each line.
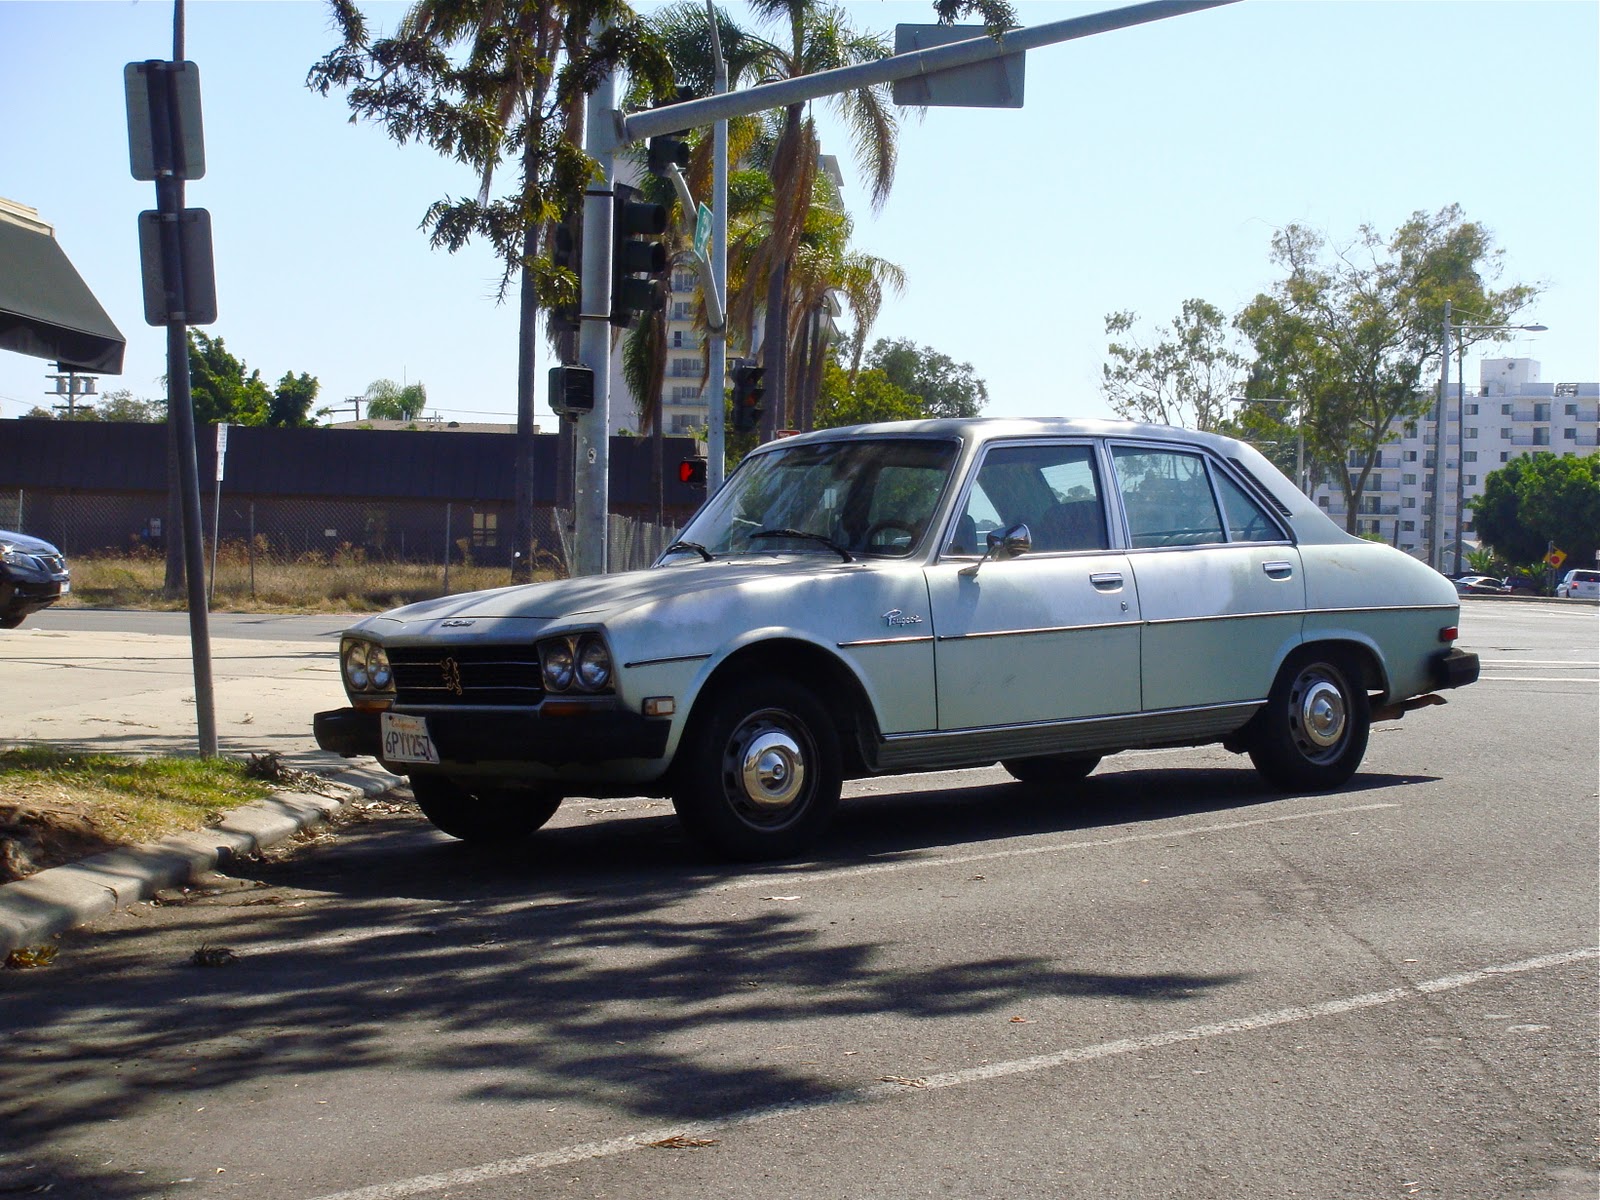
[679, 1142]
[1022, 1020]
[780, 897]
[26, 958]
[903, 1081]
[214, 956]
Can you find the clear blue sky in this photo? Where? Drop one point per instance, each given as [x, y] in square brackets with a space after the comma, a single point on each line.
[1148, 166]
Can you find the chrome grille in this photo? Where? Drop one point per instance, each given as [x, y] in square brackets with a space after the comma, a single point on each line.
[493, 675]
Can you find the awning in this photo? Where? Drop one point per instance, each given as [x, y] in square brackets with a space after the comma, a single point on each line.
[46, 310]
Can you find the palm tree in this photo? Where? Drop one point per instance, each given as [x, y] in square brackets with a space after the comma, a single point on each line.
[819, 38]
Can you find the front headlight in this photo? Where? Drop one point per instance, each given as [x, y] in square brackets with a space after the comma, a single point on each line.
[355, 666]
[555, 658]
[366, 668]
[594, 665]
[576, 662]
[16, 558]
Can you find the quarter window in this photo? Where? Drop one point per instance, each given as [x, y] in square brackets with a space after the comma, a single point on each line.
[1167, 496]
[1247, 520]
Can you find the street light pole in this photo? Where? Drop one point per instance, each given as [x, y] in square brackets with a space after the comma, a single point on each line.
[1441, 435]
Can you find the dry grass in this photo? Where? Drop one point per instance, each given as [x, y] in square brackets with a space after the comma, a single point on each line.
[344, 581]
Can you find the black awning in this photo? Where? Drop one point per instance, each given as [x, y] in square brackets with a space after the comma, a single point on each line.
[46, 310]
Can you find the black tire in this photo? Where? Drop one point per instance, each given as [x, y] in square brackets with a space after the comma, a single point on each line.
[11, 621]
[1052, 770]
[759, 770]
[1312, 734]
[480, 814]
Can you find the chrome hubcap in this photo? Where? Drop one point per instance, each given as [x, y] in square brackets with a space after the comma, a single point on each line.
[773, 770]
[1322, 713]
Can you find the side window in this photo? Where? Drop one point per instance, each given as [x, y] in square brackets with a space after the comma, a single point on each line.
[1167, 497]
[1247, 520]
[1053, 490]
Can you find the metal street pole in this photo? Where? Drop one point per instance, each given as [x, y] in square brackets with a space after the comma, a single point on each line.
[717, 347]
[591, 473]
[1436, 532]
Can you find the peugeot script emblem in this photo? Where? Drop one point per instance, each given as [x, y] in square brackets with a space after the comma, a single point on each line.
[452, 675]
[896, 619]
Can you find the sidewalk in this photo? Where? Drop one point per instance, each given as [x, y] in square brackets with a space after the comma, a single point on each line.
[133, 693]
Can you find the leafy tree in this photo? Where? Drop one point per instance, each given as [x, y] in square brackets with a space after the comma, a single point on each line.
[483, 82]
[292, 400]
[387, 401]
[122, 405]
[872, 397]
[1183, 379]
[942, 386]
[1354, 331]
[221, 387]
[1541, 499]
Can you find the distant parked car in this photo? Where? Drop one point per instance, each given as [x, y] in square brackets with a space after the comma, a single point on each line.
[1521, 585]
[911, 597]
[1479, 585]
[33, 575]
[1579, 585]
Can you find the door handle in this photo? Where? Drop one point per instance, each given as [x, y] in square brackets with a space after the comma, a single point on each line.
[1107, 581]
[1278, 570]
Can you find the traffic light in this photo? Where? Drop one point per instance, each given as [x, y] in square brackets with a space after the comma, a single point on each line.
[634, 221]
[747, 392]
[665, 152]
[571, 390]
[566, 251]
[692, 471]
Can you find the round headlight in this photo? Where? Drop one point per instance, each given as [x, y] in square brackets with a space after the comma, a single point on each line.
[556, 658]
[355, 666]
[379, 672]
[594, 665]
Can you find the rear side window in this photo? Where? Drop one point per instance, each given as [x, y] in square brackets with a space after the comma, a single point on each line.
[1247, 520]
[1167, 497]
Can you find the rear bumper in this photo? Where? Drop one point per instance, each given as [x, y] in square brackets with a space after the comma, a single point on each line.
[490, 735]
[1455, 668]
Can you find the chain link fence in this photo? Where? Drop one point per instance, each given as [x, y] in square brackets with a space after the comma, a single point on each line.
[284, 549]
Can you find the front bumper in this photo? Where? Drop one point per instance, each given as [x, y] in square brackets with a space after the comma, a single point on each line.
[501, 735]
[1455, 668]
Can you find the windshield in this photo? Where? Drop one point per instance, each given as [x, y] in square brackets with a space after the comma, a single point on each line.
[868, 496]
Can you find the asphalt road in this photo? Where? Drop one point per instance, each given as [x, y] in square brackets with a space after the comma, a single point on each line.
[1173, 983]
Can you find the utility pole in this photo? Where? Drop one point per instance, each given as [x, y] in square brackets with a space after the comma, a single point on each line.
[70, 386]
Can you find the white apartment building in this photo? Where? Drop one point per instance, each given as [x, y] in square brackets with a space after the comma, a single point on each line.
[1508, 414]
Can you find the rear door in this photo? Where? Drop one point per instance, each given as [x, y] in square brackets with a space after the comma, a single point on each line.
[1220, 585]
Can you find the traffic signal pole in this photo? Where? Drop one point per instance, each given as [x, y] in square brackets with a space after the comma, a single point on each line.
[591, 473]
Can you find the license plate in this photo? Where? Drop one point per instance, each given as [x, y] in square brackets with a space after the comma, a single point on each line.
[66, 587]
[405, 739]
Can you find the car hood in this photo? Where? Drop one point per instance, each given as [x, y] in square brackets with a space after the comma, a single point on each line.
[597, 597]
[26, 544]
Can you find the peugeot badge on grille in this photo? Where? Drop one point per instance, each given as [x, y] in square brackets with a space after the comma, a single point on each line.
[452, 675]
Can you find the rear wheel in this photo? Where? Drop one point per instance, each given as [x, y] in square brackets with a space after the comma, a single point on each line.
[1049, 770]
[480, 814]
[760, 770]
[1312, 734]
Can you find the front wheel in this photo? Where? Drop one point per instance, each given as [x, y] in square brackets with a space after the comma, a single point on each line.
[760, 773]
[1312, 734]
[480, 814]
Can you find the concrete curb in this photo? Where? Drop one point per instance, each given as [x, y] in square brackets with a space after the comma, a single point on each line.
[42, 905]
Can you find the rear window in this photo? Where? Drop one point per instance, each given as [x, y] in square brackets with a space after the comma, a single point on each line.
[1586, 577]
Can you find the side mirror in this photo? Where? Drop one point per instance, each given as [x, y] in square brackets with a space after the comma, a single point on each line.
[1008, 543]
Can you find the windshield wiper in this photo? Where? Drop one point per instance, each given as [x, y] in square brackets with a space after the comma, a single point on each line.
[823, 538]
[696, 547]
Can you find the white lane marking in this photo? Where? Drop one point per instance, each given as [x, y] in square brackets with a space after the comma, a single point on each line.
[915, 864]
[1535, 679]
[585, 1151]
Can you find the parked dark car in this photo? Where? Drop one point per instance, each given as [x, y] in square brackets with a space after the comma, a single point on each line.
[1521, 585]
[33, 575]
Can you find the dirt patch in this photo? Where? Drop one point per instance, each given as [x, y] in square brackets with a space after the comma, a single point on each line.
[40, 831]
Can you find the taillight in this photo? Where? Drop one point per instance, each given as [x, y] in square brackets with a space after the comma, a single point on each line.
[1449, 633]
